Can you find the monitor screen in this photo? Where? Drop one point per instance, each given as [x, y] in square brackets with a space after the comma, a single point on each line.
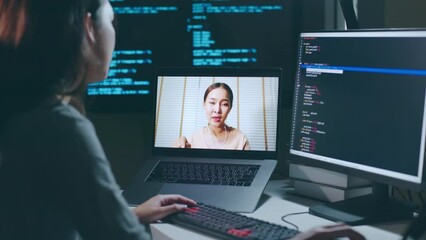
[359, 104]
[218, 109]
[198, 33]
[360, 101]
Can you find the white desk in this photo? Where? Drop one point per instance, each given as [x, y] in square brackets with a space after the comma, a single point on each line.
[277, 201]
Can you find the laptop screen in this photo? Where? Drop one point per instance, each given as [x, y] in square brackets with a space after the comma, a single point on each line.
[230, 111]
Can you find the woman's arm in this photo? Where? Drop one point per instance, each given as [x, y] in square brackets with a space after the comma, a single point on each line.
[330, 232]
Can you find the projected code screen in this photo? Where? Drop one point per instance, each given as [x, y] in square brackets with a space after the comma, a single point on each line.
[198, 33]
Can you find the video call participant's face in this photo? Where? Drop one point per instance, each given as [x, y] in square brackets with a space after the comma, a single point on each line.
[217, 107]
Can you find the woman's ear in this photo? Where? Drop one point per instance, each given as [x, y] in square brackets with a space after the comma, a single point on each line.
[88, 28]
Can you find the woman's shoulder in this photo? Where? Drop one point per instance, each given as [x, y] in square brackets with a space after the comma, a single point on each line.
[52, 118]
[62, 116]
[57, 127]
[235, 131]
[67, 119]
[66, 112]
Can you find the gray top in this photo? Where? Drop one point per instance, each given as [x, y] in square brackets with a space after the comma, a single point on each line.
[56, 183]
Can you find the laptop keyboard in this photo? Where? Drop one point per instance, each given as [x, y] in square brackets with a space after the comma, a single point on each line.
[203, 173]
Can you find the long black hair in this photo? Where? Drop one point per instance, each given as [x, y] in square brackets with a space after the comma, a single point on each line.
[41, 51]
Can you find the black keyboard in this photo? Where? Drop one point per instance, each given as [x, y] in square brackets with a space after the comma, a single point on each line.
[229, 225]
[203, 173]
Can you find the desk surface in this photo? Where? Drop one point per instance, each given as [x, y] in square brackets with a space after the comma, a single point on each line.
[276, 202]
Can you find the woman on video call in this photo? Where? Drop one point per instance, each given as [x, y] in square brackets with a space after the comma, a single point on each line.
[217, 104]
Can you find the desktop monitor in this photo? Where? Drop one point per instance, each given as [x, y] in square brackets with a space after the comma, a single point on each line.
[359, 108]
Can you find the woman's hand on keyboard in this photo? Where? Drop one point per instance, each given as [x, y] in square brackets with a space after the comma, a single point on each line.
[330, 232]
[161, 206]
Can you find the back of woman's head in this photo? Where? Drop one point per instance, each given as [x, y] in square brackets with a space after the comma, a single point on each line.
[40, 50]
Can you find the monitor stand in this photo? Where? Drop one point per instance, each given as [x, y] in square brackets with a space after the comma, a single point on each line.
[368, 209]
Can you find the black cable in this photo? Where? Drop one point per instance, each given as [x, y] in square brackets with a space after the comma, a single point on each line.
[421, 199]
[410, 197]
[291, 214]
[400, 193]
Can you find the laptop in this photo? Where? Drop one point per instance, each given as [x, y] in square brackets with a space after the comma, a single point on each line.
[219, 151]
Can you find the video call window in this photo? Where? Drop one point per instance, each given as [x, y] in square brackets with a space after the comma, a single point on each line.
[180, 111]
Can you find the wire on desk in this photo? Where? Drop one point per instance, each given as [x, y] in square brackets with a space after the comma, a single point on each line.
[421, 199]
[400, 193]
[291, 214]
[410, 197]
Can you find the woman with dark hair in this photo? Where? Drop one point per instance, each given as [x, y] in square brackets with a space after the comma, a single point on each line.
[55, 180]
[217, 104]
